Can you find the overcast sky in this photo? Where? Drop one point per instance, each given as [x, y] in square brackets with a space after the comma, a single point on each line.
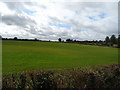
[53, 20]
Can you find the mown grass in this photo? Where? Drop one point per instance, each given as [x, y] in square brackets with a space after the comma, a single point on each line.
[18, 56]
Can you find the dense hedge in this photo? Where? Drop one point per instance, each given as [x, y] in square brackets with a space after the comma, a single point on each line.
[97, 77]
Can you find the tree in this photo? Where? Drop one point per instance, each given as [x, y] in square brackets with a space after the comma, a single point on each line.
[0, 37]
[119, 41]
[113, 39]
[69, 40]
[107, 40]
[36, 39]
[74, 40]
[15, 38]
[59, 39]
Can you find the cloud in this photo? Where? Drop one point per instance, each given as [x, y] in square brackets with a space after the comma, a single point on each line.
[18, 20]
[53, 20]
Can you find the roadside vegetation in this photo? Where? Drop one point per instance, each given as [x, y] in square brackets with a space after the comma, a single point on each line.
[106, 76]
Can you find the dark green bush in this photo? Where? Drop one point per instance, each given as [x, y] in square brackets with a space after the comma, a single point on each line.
[98, 77]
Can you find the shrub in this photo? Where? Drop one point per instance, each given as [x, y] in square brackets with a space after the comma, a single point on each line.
[107, 76]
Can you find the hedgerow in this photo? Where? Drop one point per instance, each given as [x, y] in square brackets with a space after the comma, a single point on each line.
[107, 76]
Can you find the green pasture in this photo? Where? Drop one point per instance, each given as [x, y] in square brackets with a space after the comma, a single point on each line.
[20, 56]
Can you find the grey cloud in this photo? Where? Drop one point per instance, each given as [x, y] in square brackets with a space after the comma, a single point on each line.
[15, 6]
[18, 20]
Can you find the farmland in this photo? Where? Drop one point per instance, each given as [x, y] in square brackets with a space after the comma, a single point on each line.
[18, 56]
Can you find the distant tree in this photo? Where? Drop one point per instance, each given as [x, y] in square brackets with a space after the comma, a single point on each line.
[0, 37]
[36, 39]
[74, 40]
[113, 39]
[15, 38]
[100, 41]
[107, 40]
[119, 41]
[96, 41]
[59, 39]
[69, 40]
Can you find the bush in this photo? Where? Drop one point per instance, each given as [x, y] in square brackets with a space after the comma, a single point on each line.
[98, 77]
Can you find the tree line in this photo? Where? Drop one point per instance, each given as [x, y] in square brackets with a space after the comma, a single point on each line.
[112, 41]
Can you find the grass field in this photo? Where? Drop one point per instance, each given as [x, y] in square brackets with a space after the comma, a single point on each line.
[20, 56]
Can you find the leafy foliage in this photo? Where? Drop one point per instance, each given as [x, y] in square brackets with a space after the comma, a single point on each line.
[98, 77]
